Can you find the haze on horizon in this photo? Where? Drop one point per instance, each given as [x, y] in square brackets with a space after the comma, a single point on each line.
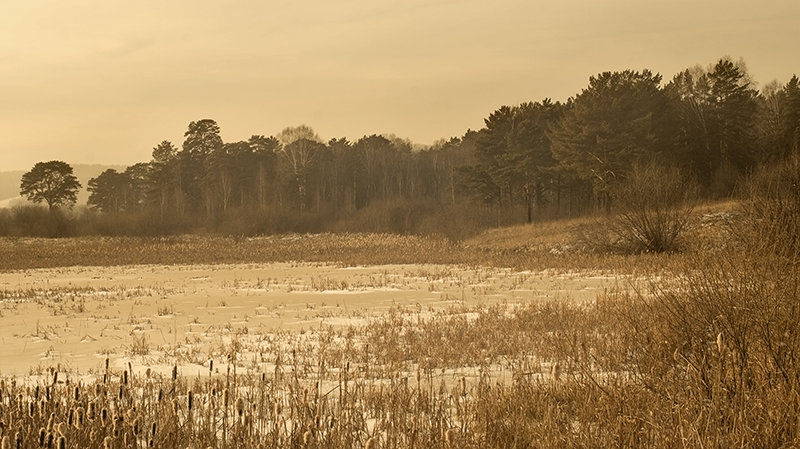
[91, 81]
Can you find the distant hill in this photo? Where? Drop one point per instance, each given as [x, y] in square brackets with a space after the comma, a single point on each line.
[9, 181]
[9, 184]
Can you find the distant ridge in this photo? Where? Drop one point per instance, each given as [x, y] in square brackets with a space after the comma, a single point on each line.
[9, 181]
[9, 184]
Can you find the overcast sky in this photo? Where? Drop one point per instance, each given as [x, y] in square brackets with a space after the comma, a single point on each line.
[104, 81]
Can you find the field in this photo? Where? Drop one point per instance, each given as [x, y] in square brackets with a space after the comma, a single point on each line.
[156, 316]
[517, 338]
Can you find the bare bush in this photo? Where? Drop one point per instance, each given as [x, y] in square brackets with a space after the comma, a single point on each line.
[652, 209]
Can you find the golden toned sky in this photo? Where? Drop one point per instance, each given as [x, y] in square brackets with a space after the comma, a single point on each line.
[104, 81]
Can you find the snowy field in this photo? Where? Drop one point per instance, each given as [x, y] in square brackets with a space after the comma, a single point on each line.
[157, 317]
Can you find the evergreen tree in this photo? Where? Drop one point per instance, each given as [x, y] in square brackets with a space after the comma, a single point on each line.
[110, 191]
[611, 125]
[51, 182]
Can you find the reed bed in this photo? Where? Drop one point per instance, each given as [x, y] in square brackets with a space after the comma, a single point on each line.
[616, 372]
[345, 249]
[704, 356]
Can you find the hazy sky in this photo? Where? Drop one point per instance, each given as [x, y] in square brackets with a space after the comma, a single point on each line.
[104, 81]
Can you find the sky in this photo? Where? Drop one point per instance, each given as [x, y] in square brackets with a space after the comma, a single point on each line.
[104, 81]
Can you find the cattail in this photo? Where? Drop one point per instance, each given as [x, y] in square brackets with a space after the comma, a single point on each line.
[62, 442]
[77, 393]
[125, 377]
[18, 440]
[175, 372]
[720, 342]
[555, 371]
[104, 415]
[450, 438]
[107, 363]
[50, 439]
[136, 426]
[147, 373]
[225, 398]
[371, 443]
[190, 401]
[239, 406]
[78, 417]
[42, 436]
[153, 429]
[210, 366]
[108, 443]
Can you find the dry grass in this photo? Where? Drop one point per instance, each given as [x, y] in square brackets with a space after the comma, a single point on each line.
[554, 245]
[707, 355]
[628, 370]
[345, 249]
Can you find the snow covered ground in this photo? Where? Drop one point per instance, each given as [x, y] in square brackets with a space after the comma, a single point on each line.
[156, 317]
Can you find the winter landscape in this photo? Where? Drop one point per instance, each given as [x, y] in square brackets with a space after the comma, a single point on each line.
[420, 224]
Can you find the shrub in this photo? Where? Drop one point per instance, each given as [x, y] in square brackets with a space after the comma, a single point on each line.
[652, 208]
[37, 221]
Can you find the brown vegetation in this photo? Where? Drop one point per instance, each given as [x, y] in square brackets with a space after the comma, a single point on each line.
[704, 355]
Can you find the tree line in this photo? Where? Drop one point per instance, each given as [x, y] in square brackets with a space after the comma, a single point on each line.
[532, 161]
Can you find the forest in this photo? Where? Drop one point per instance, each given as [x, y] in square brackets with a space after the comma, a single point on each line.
[530, 162]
